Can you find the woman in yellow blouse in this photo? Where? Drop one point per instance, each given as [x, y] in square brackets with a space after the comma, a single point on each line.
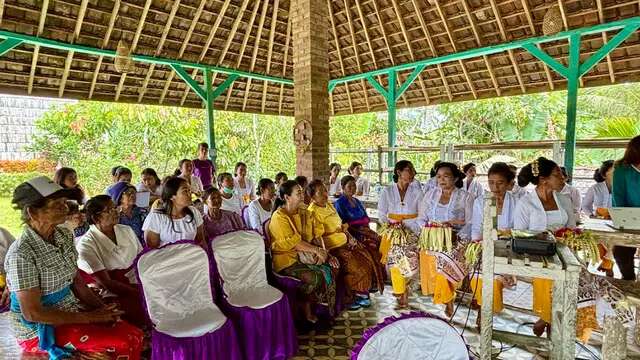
[298, 253]
[357, 266]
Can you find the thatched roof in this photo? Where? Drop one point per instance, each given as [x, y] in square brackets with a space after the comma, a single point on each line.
[255, 35]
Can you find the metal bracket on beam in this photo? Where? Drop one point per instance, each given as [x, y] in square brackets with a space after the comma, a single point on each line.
[190, 81]
[8, 45]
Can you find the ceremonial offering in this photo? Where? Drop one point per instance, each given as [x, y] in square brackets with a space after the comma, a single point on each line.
[436, 237]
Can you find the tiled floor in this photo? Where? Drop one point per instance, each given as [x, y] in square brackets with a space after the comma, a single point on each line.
[349, 327]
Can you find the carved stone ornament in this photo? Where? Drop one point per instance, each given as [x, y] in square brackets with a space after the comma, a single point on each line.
[302, 135]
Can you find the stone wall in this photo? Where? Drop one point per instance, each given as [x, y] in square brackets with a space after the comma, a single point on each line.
[17, 123]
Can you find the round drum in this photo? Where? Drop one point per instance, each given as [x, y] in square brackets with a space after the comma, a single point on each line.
[415, 335]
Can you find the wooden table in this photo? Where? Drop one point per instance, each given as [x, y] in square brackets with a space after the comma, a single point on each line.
[609, 236]
[563, 268]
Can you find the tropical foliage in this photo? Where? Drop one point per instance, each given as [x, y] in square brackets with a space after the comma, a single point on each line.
[92, 137]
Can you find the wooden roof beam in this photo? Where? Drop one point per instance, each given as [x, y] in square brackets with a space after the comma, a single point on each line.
[1, 10]
[443, 19]
[163, 37]
[243, 47]
[605, 39]
[205, 48]
[76, 34]
[284, 66]
[427, 33]
[527, 13]
[34, 60]
[476, 35]
[186, 41]
[256, 47]
[503, 35]
[105, 41]
[272, 30]
[406, 39]
[385, 39]
[338, 47]
[355, 52]
[134, 43]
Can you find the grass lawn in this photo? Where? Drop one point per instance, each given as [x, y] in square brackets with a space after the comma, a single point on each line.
[9, 218]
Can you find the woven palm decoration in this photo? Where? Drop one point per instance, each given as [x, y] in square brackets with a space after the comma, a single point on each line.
[552, 22]
[123, 62]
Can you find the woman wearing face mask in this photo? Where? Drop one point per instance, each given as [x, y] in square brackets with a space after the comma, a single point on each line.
[500, 178]
[450, 206]
[398, 206]
[231, 201]
[294, 237]
[185, 171]
[362, 184]
[216, 220]
[357, 267]
[260, 209]
[547, 208]
[334, 180]
[106, 254]
[243, 185]
[176, 219]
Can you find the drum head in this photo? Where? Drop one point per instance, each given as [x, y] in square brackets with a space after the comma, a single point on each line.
[411, 336]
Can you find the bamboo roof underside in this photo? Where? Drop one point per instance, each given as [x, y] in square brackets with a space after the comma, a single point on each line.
[256, 36]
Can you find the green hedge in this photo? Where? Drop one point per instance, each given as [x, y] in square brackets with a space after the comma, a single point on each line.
[9, 181]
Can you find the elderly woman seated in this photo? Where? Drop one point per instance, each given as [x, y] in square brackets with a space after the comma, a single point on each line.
[353, 213]
[216, 220]
[357, 267]
[106, 254]
[52, 309]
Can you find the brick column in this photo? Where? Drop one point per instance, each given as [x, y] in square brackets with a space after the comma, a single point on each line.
[311, 77]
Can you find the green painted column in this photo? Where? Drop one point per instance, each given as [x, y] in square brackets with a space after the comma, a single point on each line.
[211, 134]
[573, 84]
[392, 131]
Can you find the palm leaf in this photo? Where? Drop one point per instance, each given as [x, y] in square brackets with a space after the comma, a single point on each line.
[618, 128]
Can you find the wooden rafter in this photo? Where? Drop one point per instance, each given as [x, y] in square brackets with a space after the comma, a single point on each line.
[476, 35]
[76, 33]
[272, 34]
[105, 41]
[284, 63]
[503, 35]
[36, 51]
[356, 53]
[243, 47]
[134, 43]
[205, 48]
[532, 28]
[256, 47]
[434, 52]
[605, 39]
[1, 10]
[187, 39]
[403, 29]
[361, 17]
[443, 19]
[338, 47]
[385, 38]
[163, 38]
